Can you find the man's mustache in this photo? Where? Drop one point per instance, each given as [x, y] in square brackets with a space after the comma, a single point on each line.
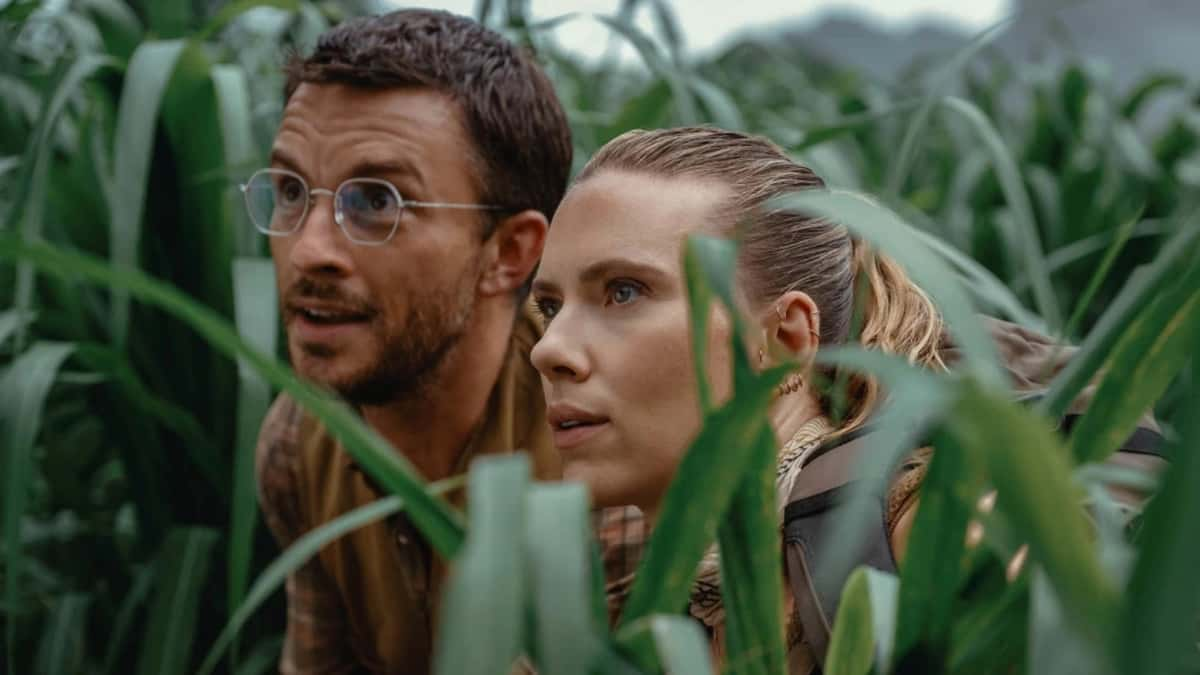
[311, 289]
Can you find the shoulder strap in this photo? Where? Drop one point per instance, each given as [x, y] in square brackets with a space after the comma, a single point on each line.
[824, 484]
[821, 486]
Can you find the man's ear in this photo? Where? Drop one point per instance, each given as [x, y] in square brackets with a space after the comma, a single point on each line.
[794, 323]
[513, 252]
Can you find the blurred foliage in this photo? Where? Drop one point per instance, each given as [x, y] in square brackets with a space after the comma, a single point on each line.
[128, 427]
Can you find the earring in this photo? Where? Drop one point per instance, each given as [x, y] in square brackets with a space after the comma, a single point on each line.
[793, 383]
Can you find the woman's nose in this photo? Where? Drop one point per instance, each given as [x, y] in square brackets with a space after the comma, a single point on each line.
[560, 354]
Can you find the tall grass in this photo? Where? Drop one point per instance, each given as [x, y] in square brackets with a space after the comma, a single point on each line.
[137, 362]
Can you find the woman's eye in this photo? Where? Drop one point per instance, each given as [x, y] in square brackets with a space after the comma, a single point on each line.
[623, 292]
[546, 307]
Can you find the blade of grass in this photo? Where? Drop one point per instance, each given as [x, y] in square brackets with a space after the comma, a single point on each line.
[483, 604]
[436, 520]
[230, 13]
[256, 310]
[146, 81]
[862, 634]
[1055, 647]
[234, 102]
[557, 549]
[1026, 239]
[1149, 356]
[1161, 615]
[931, 573]
[300, 552]
[1134, 297]
[685, 104]
[908, 145]
[1119, 238]
[892, 236]
[1030, 469]
[751, 569]
[27, 212]
[61, 651]
[680, 646]
[23, 391]
[181, 573]
[133, 601]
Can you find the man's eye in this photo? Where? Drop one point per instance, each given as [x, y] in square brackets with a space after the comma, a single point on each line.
[291, 190]
[623, 292]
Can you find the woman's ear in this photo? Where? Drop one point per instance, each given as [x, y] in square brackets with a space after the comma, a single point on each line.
[794, 323]
[514, 250]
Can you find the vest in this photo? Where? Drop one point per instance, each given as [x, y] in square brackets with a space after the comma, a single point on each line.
[386, 574]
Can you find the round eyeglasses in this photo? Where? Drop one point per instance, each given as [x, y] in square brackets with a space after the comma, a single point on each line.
[366, 209]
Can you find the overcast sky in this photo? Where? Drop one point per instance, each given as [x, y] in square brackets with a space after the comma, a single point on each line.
[708, 23]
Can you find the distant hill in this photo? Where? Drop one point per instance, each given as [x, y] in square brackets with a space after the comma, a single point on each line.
[1132, 37]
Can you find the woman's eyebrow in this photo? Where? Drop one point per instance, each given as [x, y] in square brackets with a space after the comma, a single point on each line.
[612, 266]
[543, 286]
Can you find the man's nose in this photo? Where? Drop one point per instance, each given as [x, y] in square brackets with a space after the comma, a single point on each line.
[561, 353]
[319, 247]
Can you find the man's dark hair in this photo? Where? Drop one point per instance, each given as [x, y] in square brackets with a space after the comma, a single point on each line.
[508, 106]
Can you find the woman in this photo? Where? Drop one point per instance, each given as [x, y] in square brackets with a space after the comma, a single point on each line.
[617, 372]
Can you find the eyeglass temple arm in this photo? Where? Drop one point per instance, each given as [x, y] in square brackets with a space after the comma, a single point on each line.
[447, 205]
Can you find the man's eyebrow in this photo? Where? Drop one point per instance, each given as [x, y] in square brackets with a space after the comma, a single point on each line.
[280, 157]
[379, 167]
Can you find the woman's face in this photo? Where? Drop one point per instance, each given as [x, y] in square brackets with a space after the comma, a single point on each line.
[616, 361]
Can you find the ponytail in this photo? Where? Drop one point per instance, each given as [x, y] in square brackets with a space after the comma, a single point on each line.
[897, 318]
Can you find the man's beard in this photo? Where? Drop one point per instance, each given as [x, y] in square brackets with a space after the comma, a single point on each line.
[410, 360]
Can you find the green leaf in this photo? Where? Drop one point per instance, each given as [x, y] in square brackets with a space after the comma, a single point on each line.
[12, 321]
[483, 604]
[1148, 357]
[751, 571]
[1120, 237]
[146, 81]
[679, 645]
[1161, 604]
[436, 520]
[682, 646]
[892, 236]
[862, 634]
[902, 163]
[931, 574]
[559, 561]
[234, 102]
[299, 553]
[181, 576]
[230, 12]
[133, 601]
[23, 390]
[256, 311]
[1055, 645]
[62, 648]
[27, 213]
[1134, 297]
[1026, 239]
[685, 104]
[1029, 467]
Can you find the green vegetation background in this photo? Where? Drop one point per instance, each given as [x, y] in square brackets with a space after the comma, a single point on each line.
[128, 507]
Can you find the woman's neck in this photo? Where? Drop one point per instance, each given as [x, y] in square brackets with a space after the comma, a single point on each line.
[790, 412]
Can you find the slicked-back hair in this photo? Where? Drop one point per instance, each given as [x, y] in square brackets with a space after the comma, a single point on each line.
[507, 104]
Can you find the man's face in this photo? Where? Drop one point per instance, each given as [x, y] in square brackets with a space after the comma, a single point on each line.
[374, 322]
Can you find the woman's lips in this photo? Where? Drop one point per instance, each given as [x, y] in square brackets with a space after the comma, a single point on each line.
[565, 439]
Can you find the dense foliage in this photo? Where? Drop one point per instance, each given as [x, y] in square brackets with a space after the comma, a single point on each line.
[139, 344]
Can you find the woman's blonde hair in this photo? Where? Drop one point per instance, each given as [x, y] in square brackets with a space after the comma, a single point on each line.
[783, 250]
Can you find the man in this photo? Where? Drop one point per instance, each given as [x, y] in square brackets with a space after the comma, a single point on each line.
[418, 161]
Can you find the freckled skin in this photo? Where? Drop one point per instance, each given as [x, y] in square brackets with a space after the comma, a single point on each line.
[419, 287]
[617, 344]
